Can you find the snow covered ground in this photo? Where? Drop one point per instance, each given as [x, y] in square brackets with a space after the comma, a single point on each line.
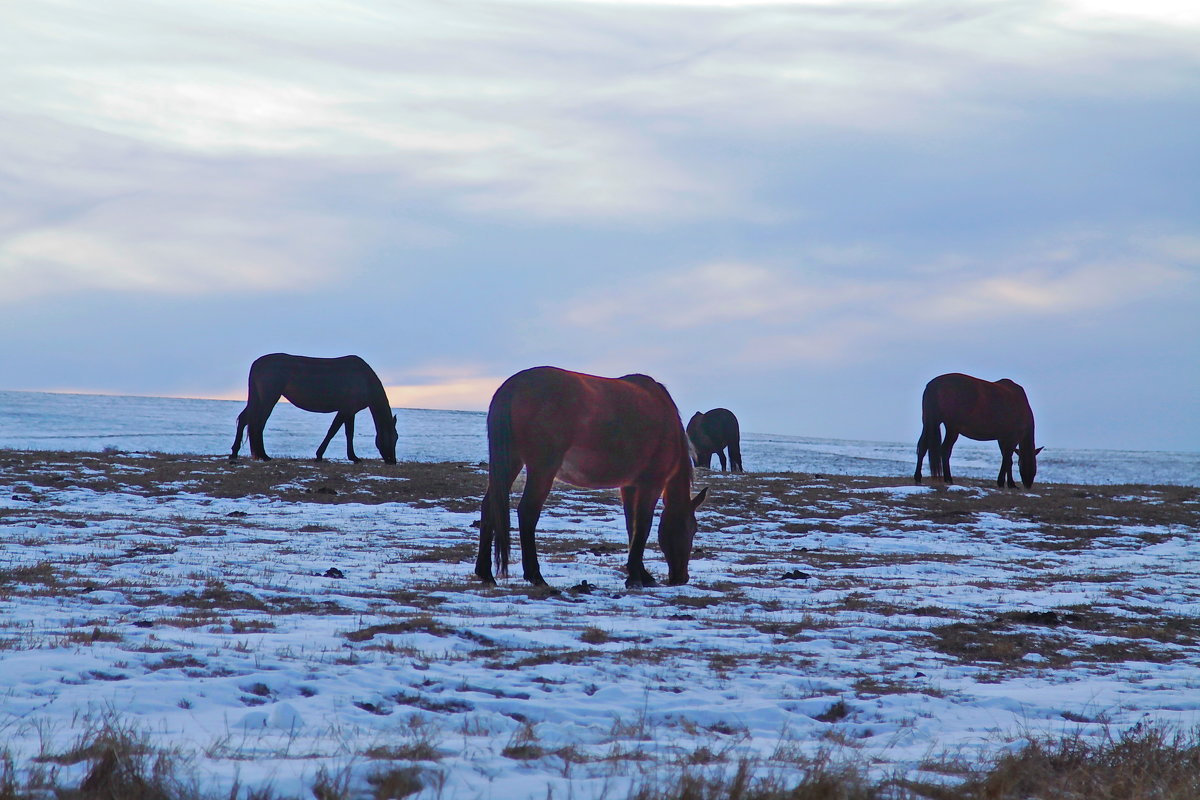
[322, 626]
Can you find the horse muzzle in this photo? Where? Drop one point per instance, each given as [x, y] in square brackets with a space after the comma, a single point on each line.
[677, 578]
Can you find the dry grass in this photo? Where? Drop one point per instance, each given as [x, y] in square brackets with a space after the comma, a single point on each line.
[1143, 763]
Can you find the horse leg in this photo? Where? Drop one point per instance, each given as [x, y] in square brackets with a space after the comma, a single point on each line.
[721, 457]
[947, 446]
[921, 448]
[628, 499]
[257, 423]
[537, 488]
[930, 441]
[494, 521]
[350, 437]
[237, 439]
[333, 429]
[1005, 476]
[487, 531]
[640, 522]
[735, 457]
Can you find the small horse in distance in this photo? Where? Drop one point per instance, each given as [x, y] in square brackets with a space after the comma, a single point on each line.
[713, 432]
[980, 410]
[599, 433]
[343, 385]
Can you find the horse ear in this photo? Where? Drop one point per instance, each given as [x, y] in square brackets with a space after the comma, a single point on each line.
[1040, 449]
[393, 417]
[698, 499]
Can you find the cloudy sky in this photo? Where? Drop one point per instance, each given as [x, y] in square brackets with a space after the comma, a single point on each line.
[801, 211]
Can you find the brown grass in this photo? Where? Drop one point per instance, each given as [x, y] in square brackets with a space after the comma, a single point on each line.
[1143, 763]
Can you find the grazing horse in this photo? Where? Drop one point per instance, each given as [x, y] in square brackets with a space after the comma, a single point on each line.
[344, 385]
[980, 410]
[712, 433]
[599, 433]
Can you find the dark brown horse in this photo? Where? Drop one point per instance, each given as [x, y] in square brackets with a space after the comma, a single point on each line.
[980, 410]
[600, 433]
[712, 433]
[343, 385]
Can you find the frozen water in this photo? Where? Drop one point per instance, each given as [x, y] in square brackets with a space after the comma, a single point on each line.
[43, 421]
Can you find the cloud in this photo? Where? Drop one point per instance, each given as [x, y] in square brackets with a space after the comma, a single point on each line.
[503, 125]
[556, 110]
[714, 294]
[1048, 292]
[1071, 274]
[813, 313]
[168, 242]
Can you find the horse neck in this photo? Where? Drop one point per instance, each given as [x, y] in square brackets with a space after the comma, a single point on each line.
[1027, 440]
[678, 488]
[381, 409]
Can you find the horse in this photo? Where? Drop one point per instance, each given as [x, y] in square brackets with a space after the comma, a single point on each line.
[598, 433]
[980, 410]
[712, 433]
[343, 385]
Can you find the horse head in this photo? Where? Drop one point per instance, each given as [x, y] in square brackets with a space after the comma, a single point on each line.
[386, 437]
[676, 531]
[1027, 462]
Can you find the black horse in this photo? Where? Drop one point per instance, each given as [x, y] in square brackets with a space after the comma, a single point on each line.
[713, 433]
[980, 410]
[343, 385]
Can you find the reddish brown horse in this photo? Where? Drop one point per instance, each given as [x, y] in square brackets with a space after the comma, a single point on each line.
[713, 432]
[980, 410]
[344, 385]
[600, 433]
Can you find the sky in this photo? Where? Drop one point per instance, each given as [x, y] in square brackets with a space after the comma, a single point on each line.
[799, 211]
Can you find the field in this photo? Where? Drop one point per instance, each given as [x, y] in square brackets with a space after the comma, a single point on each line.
[294, 629]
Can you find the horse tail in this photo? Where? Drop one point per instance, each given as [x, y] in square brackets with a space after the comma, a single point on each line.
[933, 442]
[735, 448]
[500, 437]
[931, 432]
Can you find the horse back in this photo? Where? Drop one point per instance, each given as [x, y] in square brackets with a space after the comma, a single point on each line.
[976, 408]
[722, 426]
[316, 384]
[603, 432]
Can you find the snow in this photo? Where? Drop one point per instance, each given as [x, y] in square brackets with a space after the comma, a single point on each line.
[209, 624]
[266, 691]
